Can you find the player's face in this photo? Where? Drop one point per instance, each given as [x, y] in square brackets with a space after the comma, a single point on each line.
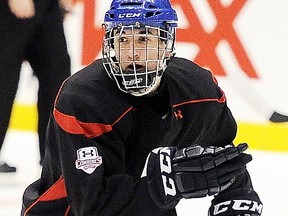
[138, 49]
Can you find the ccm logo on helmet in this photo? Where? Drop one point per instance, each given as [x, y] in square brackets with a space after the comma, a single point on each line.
[129, 15]
[166, 169]
[238, 205]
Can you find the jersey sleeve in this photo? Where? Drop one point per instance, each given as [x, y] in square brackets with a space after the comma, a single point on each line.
[209, 121]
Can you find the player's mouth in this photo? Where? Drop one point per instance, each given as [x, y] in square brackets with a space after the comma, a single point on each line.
[138, 67]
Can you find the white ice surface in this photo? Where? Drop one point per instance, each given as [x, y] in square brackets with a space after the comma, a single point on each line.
[269, 172]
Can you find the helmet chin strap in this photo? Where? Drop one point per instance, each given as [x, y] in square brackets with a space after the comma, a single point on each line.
[153, 87]
[149, 90]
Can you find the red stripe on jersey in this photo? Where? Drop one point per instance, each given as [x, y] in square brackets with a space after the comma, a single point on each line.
[55, 192]
[220, 100]
[68, 210]
[72, 125]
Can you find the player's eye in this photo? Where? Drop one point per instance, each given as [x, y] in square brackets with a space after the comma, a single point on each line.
[143, 39]
[122, 39]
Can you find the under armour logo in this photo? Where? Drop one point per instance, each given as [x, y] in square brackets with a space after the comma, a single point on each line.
[88, 153]
[88, 159]
[178, 114]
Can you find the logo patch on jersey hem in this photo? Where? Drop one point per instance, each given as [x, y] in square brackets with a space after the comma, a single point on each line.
[88, 159]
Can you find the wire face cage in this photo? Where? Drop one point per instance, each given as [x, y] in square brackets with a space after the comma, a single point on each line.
[135, 56]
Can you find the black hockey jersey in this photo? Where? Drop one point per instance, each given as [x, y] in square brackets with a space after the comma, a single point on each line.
[98, 139]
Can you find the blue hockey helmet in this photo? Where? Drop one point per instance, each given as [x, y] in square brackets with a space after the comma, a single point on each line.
[133, 14]
[157, 13]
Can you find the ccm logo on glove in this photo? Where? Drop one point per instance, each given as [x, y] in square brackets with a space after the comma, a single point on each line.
[166, 169]
[238, 205]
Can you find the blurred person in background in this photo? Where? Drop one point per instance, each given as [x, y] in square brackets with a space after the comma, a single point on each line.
[31, 30]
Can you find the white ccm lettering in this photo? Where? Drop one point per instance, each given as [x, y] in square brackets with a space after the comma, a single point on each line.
[241, 204]
[238, 205]
[246, 205]
[129, 15]
[221, 207]
[166, 168]
[257, 207]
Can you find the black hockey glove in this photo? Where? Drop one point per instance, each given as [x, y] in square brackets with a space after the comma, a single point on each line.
[193, 172]
[236, 202]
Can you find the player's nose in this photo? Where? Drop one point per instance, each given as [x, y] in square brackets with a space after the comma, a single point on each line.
[133, 53]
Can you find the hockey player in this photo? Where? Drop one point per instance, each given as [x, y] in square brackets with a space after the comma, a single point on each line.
[134, 142]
